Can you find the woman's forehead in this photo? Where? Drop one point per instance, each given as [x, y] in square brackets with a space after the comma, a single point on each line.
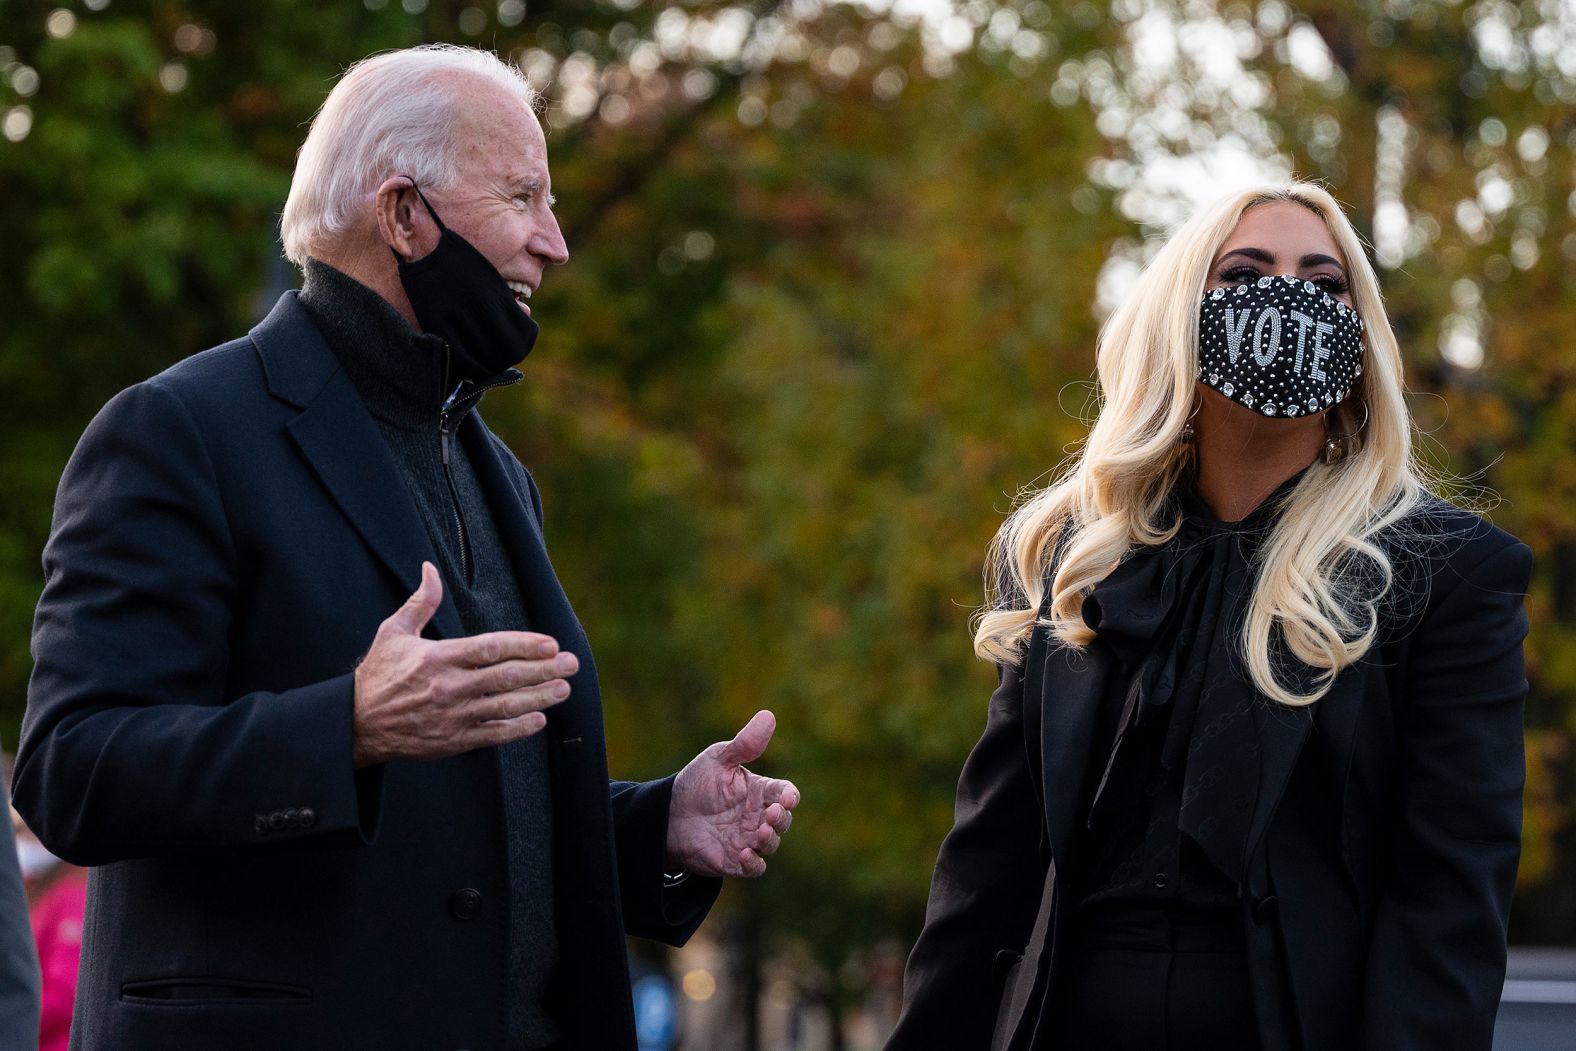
[1281, 228]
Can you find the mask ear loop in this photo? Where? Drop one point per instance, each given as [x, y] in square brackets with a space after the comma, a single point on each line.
[427, 205]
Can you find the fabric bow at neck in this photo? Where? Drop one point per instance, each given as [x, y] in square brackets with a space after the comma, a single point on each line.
[1172, 614]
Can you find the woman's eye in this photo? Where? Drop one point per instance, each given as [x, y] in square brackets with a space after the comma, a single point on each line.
[1331, 284]
[1239, 275]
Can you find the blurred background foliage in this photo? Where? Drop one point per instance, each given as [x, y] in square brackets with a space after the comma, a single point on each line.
[837, 273]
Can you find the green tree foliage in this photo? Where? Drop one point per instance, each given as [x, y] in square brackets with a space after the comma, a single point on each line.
[837, 277]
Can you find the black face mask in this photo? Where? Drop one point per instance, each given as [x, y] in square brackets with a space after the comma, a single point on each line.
[1279, 346]
[462, 298]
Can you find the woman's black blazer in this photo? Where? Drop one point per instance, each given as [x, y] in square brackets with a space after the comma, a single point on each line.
[1382, 853]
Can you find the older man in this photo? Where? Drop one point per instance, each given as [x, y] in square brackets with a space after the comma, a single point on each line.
[319, 824]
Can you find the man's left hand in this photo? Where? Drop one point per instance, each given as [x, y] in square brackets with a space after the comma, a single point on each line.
[724, 820]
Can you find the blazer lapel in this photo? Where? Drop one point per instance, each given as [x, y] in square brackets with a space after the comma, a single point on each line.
[1283, 733]
[1072, 686]
[578, 721]
[336, 434]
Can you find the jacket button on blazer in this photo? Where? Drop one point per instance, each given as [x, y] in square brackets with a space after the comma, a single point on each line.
[465, 904]
[308, 817]
[276, 820]
[260, 825]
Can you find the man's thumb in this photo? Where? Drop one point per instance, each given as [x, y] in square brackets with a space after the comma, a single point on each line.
[410, 618]
[749, 744]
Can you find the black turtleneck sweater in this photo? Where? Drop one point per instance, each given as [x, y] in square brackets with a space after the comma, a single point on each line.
[400, 375]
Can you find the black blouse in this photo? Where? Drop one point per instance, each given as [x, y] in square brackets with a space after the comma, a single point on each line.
[1170, 806]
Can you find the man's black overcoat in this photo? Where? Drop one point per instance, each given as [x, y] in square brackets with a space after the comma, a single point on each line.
[227, 538]
[1383, 847]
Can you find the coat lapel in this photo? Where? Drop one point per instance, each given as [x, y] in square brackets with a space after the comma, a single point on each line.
[336, 434]
[1283, 733]
[1072, 686]
[578, 721]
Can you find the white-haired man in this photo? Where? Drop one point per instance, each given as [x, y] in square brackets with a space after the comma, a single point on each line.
[317, 823]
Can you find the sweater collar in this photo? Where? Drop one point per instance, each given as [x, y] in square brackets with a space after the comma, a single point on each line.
[399, 371]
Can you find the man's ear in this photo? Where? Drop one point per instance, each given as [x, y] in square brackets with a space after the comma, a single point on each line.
[401, 221]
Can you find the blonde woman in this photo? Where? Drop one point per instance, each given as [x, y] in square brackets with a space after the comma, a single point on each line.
[1252, 775]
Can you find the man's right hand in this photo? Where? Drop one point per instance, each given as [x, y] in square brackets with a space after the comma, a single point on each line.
[418, 698]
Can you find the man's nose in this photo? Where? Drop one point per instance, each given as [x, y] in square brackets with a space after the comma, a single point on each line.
[548, 243]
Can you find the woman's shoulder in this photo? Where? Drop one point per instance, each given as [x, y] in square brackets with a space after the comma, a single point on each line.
[1445, 535]
[1439, 546]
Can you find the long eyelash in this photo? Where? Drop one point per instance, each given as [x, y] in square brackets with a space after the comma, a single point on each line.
[1330, 283]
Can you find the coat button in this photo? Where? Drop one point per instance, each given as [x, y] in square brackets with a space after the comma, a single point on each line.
[276, 820]
[1265, 909]
[260, 825]
[465, 904]
[1160, 880]
[293, 818]
[308, 817]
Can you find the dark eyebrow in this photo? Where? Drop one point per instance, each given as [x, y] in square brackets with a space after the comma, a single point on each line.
[1256, 254]
[1260, 255]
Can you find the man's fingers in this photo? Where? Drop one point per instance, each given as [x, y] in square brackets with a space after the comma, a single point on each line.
[511, 675]
[767, 841]
[501, 707]
[410, 618]
[496, 647]
[779, 817]
[749, 744]
[776, 792]
[502, 731]
[751, 863]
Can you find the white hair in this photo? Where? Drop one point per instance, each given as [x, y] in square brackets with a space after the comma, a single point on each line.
[391, 114]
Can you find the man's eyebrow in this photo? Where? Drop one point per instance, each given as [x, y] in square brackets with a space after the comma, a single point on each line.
[529, 184]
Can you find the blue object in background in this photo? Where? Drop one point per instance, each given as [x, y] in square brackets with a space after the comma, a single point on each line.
[656, 1013]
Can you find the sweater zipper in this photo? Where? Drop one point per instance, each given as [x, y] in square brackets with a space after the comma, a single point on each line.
[454, 406]
[444, 433]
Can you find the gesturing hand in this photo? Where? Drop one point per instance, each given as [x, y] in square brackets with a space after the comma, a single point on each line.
[724, 820]
[422, 699]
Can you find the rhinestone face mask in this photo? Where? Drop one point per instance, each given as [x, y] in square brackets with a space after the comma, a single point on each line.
[1280, 346]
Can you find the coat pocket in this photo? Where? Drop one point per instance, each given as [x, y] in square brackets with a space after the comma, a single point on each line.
[209, 989]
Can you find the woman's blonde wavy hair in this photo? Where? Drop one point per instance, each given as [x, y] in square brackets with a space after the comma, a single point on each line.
[1320, 574]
